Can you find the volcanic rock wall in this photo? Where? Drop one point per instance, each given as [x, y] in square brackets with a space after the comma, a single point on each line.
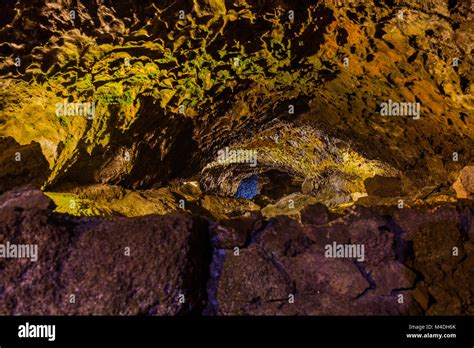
[184, 79]
[134, 124]
[179, 265]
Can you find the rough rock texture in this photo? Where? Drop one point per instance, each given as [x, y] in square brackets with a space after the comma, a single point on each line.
[291, 93]
[464, 185]
[185, 79]
[405, 254]
[467, 179]
[87, 258]
[383, 187]
[20, 165]
[276, 266]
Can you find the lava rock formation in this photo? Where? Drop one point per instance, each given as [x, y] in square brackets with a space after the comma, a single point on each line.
[199, 157]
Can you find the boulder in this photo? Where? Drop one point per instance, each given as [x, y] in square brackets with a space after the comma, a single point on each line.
[383, 186]
[464, 185]
[154, 265]
[21, 164]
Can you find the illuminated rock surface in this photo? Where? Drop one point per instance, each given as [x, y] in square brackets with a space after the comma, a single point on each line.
[192, 98]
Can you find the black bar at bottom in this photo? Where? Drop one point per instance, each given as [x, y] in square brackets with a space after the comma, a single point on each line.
[429, 331]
